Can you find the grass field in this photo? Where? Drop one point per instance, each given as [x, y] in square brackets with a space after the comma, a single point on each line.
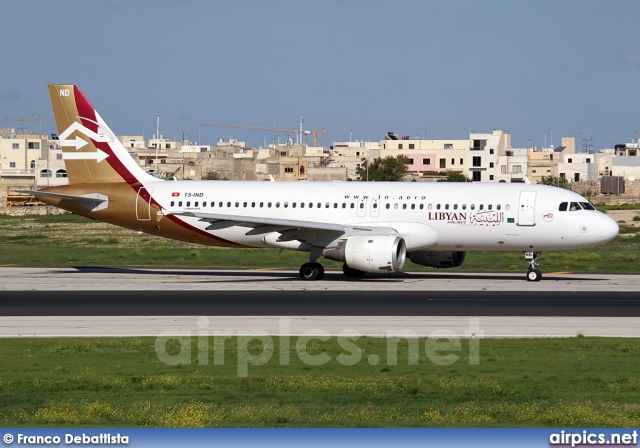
[576, 382]
[73, 240]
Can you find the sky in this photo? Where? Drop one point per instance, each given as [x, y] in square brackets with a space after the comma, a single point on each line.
[540, 69]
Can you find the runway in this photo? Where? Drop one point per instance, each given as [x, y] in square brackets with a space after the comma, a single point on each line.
[63, 301]
[15, 278]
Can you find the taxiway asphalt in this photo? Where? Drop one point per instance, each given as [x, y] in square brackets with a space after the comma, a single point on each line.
[128, 301]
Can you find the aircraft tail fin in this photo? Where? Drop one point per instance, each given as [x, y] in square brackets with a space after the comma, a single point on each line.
[90, 150]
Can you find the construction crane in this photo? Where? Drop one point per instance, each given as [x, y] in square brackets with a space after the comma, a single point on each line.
[313, 133]
[27, 119]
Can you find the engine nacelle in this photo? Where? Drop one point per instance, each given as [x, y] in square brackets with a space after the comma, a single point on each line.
[437, 259]
[370, 253]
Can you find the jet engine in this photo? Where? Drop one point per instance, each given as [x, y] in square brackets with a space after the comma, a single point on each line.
[370, 253]
[437, 259]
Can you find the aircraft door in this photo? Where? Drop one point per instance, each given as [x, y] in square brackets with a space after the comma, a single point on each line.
[143, 204]
[362, 208]
[375, 208]
[526, 208]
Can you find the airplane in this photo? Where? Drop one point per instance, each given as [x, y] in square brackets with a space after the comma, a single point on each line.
[368, 226]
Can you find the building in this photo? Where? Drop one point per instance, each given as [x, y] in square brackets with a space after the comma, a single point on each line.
[475, 157]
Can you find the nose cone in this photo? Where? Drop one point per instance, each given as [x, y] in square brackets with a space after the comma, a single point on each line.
[608, 228]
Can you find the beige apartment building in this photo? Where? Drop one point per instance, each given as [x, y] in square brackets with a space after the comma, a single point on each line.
[475, 157]
[563, 162]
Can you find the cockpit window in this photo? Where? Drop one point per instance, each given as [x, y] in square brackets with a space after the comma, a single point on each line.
[574, 206]
[563, 206]
[587, 206]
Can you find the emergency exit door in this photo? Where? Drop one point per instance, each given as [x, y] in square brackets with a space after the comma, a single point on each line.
[526, 208]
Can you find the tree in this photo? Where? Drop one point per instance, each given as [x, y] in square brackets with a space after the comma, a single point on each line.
[389, 169]
[561, 182]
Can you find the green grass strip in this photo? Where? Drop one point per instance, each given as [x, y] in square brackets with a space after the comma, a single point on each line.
[112, 382]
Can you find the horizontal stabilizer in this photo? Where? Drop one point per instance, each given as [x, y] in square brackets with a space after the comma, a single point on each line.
[92, 201]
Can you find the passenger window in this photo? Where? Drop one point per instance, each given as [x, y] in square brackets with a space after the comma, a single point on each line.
[481, 207]
[464, 206]
[335, 205]
[375, 205]
[498, 207]
[430, 207]
[253, 205]
[213, 204]
[302, 205]
[188, 203]
[404, 206]
[310, 204]
[286, 205]
[438, 207]
[413, 206]
[173, 203]
[473, 206]
[344, 205]
[320, 205]
[269, 205]
[507, 207]
[388, 206]
[327, 205]
[361, 205]
[455, 206]
[421, 206]
[353, 205]
[489, 207]
[244, 204]
[395, 206]
[446, 207]
[261, 204]
[180, 204]
[293, 205]
[237, 204]
[563, 206]
[228, 204]
[196, 204]
[277, 205]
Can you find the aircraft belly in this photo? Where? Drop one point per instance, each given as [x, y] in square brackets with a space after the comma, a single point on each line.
[474, 237]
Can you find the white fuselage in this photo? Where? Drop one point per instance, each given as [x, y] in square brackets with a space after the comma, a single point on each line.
[463, 216]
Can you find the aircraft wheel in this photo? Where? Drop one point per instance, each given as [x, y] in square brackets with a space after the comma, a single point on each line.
[311, 271]
[352, 273]
[534, 275]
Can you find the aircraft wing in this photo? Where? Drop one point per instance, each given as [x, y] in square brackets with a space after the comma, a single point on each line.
[418, 235]
[290, 225]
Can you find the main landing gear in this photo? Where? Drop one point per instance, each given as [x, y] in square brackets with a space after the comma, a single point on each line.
[311, 271]
[314, 271]
[534, 274]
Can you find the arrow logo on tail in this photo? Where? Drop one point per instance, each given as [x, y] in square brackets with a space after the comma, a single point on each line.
[78, 142]
[98, 155]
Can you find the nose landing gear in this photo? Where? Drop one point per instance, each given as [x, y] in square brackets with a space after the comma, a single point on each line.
[534, 274]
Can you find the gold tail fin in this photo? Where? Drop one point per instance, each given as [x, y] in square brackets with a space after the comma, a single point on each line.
[91, 152]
